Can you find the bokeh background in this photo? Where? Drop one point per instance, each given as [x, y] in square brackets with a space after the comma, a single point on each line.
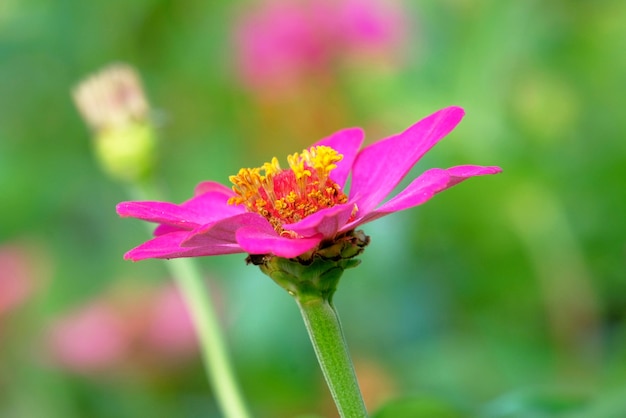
[502, 297]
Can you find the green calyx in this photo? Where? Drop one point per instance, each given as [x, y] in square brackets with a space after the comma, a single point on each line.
[315, 274]
[127, 153]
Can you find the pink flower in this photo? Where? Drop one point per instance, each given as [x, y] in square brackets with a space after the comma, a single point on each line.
[289, 212]
[169, 328]
[90, 339]
[284, 41]
[22, 271]
[129, 326]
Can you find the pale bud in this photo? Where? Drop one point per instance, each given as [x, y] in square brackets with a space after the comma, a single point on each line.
[114, 106]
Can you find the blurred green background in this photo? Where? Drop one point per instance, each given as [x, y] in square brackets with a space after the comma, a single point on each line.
[503, 297]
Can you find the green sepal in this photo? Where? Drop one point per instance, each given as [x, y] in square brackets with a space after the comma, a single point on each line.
[316, 274]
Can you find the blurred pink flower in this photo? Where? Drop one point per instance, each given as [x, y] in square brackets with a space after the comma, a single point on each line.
[169, 328]
[290, 212]
[21, 271]
[279, 42]
[131, 326]
[92, 338]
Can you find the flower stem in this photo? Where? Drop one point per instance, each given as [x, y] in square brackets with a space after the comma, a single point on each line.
[322, 323]
[214, 353]
[312, 281]
[212, 346]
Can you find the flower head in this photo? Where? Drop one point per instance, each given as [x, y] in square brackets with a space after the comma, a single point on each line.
[290, 212]
[286, 196]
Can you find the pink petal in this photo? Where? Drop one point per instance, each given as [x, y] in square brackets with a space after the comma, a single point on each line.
[223, 231]
[166, 229]
[160, 212]
[209, 205]
[424, 188]
[255, 240]
[326, 222]
[463, 172]
[379, 167]
[347, 142]
[169, 246]
[254, 235]
[212, 206]
[201, 209]
[212, 186]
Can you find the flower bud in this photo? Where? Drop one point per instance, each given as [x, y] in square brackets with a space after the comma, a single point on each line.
[113, 104]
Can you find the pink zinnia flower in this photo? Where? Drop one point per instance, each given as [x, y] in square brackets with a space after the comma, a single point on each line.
[289, 212]
[280, 41]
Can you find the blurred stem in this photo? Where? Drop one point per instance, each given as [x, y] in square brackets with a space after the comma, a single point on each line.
[322, 323]
[212, 346]
[214, 353]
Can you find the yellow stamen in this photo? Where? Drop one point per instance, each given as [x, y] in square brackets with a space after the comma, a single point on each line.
[285, 196]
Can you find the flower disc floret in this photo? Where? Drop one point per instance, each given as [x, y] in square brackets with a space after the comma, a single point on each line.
[286, 196]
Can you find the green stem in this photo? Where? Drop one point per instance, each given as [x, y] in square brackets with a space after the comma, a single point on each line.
[322, 323]
[213, 349]
[212, 346]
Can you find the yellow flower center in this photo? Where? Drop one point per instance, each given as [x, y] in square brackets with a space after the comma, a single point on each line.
[285, 196]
